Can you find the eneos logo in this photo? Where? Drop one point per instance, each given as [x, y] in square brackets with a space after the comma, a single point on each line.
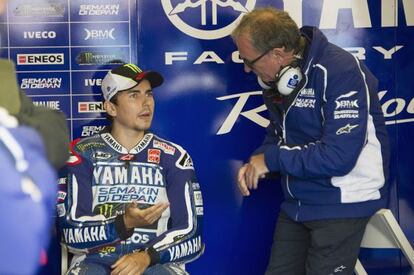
[208, 11]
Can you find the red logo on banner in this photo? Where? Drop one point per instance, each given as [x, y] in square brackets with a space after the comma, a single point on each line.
[83, 107]
[154, 155]
[21, 59]
[127, 157]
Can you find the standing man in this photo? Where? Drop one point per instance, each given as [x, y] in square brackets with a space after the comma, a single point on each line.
[326, 138]
[130, 203]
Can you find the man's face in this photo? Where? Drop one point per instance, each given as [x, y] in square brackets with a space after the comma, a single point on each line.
[135, 107]
[264, 64]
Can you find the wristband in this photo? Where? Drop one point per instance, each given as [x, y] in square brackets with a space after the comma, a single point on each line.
[120, 228]
[153, 254]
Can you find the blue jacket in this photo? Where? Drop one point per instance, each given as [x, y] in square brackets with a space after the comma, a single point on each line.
[329, 140]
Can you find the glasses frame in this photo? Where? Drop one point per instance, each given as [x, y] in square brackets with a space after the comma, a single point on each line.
[250, 63]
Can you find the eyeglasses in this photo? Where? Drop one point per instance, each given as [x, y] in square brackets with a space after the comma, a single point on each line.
[250, 63]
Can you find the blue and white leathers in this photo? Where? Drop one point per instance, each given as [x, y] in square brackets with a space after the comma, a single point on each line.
[103, 178]
[328, 140]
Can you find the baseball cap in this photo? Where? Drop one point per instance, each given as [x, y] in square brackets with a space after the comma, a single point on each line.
[9, 91]
[126, 77]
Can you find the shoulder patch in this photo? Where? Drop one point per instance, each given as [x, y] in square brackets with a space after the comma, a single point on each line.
[74, 157]
[185, 162]
[166, 148]
[154, 156]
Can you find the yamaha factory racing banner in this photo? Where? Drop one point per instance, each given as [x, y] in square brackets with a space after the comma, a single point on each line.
[208, 104]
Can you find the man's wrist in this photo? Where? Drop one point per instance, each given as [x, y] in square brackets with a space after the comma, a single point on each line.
[120, 227]
[127, 223]
[153, 255]
[271, 158]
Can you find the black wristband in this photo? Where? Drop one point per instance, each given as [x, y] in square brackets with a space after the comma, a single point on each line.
[120, 228]
[154, 255]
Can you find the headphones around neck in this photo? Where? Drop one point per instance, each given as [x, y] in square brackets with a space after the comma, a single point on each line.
[287, 80]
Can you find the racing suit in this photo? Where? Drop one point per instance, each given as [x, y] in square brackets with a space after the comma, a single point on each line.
[102, 178]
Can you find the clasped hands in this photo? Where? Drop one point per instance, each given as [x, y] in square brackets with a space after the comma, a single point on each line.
[250, 173]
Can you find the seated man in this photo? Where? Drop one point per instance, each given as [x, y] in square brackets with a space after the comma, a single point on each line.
[130, 202]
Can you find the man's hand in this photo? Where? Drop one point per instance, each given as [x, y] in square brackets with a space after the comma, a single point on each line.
[250, 173]
[132, 264]
[135, 217]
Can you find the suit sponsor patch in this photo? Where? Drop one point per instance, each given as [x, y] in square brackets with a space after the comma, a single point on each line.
[154, 156]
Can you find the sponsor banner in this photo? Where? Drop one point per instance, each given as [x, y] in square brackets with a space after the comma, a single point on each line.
[86, 127]
[87, 82]
[189, 43]
[40, 34]
[40, 59]
[60, 103]
[100, 10]
[99, 58]
[38, 11]
[50, 83]
[90, 106]
[108, 34]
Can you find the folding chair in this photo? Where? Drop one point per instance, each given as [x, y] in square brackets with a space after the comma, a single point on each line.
[383, 231]
[64, 260]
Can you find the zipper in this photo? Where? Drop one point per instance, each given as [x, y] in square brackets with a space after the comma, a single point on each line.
[285, 140]
[287, 187]
[297, 212]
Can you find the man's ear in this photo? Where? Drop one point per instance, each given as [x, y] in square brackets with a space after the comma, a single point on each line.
[277, 53]
[110, 108]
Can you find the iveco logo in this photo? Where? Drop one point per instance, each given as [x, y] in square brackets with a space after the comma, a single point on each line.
[212, 28]
[39, 34]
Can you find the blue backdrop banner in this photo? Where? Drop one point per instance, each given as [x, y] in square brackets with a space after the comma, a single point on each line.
[208, 104]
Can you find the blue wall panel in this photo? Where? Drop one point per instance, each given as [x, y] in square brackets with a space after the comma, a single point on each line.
[63, 49]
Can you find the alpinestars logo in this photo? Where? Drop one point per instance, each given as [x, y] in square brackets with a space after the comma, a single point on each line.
[208, 11]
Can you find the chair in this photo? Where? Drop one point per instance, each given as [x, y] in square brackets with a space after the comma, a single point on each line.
[64, 260]
[383, 231]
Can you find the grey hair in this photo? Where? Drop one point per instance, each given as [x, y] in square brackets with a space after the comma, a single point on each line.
[269, 28]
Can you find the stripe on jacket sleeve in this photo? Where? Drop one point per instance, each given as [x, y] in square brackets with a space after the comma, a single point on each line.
[367, 177]
[169, 238]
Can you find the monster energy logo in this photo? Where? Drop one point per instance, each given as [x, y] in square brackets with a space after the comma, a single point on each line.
[133, 67]
[108, 210]
[38, 10]
[90, 58]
